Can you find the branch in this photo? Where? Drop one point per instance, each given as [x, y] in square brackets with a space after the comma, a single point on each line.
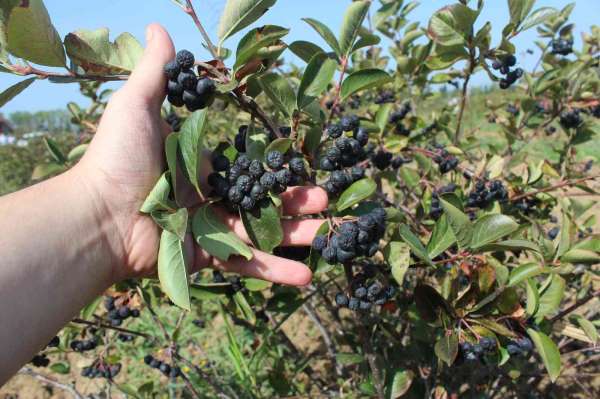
[326, 338]
[189, 10]
[576, 305]
[46, 380]
[109, 327]
[562, 184]
[202, 374]
[250, 106]
[29, 70]
[463, 99]
[338, 89]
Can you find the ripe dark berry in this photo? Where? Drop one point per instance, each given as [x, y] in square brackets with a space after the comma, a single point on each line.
[174, 88]
[274, 160]
[185, 59]
[329, 254]
[334, 131]
[172, 70]
[235, 194]
[342, 144]
[258, 192]
[333, 154]
[148, 359]
[245, 183]
[205, 87]
[361, 136]
[192, 101]
[349, 123]
[511, 60]
[268, 180]
[243, 162]
[283, 176]
[353, 303]
[175, 100]
[326, 164]
[256, 169]
[341, 299]
[247, 203]
[382, 159]
[297, 166]
[319, 242]
[553, 233]
[350, 229]
[525, 344]
[357, 173]
[366, 223]
[220, 163]
[175, 372]
[360, 292]
[124, 312]
[188, 81]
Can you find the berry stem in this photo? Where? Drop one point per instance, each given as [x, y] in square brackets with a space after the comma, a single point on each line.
[49, 381]
[463, 98]
[338, 88]
[29, 70]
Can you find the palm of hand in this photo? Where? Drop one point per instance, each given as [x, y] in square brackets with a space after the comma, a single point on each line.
[126, 158]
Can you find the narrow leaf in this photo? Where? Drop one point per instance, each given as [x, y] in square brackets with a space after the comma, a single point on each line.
[215, 238]
[14, 91]
[325, 33]
[397, 254]
[490, 228]
[174, 222]
[459, 222]
[316, 78]
[364, 79]
[414, 243]
[353, 19]
[446, 348]
[264, 226]
[279, 91]
[238, 14]
[191, 143]
[357, 192]
[172, 270]
[548, 352]
[159, 197]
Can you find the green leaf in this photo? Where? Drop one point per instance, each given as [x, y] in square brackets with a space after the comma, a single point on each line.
[14, 91]
[77, 152]
[159, 197]
[255, 40]
[446, 348]
[537, 17]
[452, 25]
[244, 307]
[255, 284]
[383, 116]
[31, 35]
[256, 143]
[523, 272]
[316, 78]
[509, 245]
[519, 9]
[400, 384]
[60, 368]
[429, 303]
[88, 311]
[215, 238]
[175, 223]
[325, 33]
[191, 144]
[397, 254]
[490, 228]
[172, 270]
[588, 327]
[209, 291]
[357, 192]
[459, 222]
[93, 51]
[414, 243]
[548, 352]
[305, 50]
[533, 297]
[264, 226]
[365, 39]
[47, 169]
[238, 14]
[171, 151]
[580, 256]
[348, 359]
[551, 298]
[54, 151]
[279, 91]
[446, 56]
[352, 22]
[364, 79]
[282, 144]
[441, 238]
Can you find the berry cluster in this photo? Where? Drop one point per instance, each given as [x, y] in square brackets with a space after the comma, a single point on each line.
[247, 182]
[562, 46]
[353, 239]
[345, 152]
[526, 205]
[472, 352]
[184, 87]
[436, 208]
[235, 282]
[165, 368]
[101, 370]
[116, 315]
[125, 337]
[365, 296]
[446, 162]
[504, 65]
[521, 346]
[398, 116]
[571, 119]
[40, 360]
[84, 345]
[484, 194]
[385, 96]
[383, 159]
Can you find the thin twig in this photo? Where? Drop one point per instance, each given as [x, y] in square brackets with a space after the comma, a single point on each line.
[463, 98]
[338, 88]
[576, 305]
[154, 316]
[109, 327]
[326, 338]
[189, 9]
[203, 375]
[26, 70]
[570, 182]
[47, 380]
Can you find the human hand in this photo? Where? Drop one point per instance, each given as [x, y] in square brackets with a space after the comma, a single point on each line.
[125, 159]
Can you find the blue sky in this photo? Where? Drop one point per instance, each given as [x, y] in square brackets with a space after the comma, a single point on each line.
[133, 15]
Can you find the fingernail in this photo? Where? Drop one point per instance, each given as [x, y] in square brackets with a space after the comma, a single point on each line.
[149, 33]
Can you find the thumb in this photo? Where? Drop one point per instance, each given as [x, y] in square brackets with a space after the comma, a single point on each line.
[148, 81]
